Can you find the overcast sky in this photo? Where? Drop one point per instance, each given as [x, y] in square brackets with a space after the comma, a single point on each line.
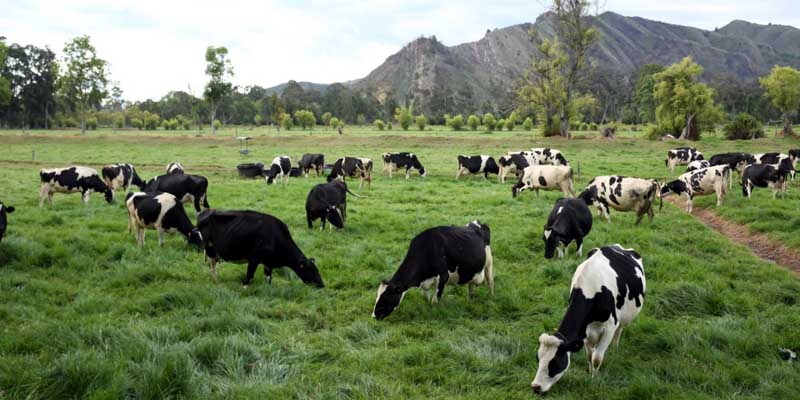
[157, 46]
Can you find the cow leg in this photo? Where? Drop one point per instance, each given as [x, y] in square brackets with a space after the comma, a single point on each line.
[617, 335]
[470, 291]
[488, 270]
[251, 271]
[443, 278]
[268, 274]
[310, 222]
[43, 192]
[50, 198]
[720, 194]
[322, 225]
[460, 171]
[502, 175]
[85, 196]
[140, 235]
[603, 210]
[589, 353]
[650, 213]
[408, 172]
[160, 236]
[689, 204]
[196, 204]
[639, 214]
[602, 346]
[579, 245]
[213, 266]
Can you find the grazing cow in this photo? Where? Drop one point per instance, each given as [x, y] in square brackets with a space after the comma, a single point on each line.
[569, 220]
[607, 293]
[681, 156]
[118, 176]
[253, 238]
[352, 167]
[545, 177]
[544, 155]
[187, 188]
[312, 161]
[794, 154]
[72, 180]
[175, 168]
[515, 162]
[162, 212]
[765, 176]
[395, 161]
[328, 201]
[476, 165]
[281, 168]
[4, 211]
[736, 161]
[697, 164]
[700, 183]
[777, 159]
[622, 193]
[454, 254]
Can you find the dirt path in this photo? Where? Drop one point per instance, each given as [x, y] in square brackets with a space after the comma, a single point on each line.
[759, 243]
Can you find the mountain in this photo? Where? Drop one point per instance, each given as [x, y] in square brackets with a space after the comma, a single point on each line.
[278, 89]
[480, 76]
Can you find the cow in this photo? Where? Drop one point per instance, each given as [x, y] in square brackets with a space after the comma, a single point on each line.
[622, 193]
[295, 172]
[697, 164]
[702, 182]
[777, 159]
[765, 176]
[328, 202]
[279, 169]
[311, 161]
[445, 254]
[185, 187]
[72, 180]
[162, 212]
[794, 154]
[253, 238]
[175, 168]
[121, 176]
[352, 167]
[476, 165]
[606, 295]
[569, 220]
[736, 161]
[515, 161]
[547, 156]
[395, 161]
[4, 211]
[681, 156]
[545, 177]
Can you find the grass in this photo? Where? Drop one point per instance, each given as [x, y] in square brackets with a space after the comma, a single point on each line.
[87, 314]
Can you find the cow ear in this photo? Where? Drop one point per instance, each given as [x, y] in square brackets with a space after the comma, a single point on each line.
[10, 209]
[546, 227]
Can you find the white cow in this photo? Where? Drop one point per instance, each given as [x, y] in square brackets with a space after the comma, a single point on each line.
[545, 177]
[702, 182]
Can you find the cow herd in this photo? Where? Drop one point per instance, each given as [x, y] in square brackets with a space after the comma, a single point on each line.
[607, 289]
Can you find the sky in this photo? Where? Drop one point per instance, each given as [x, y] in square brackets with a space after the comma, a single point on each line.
[154, 47]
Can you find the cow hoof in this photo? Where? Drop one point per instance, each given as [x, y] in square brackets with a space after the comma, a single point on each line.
[244, 287]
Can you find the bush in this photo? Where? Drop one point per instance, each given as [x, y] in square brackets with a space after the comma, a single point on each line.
[137, 123]
[151, 121]
[119, 121]
[258, 120]
[500, 124]
[584, 127]
[217, 124]
[743, 126]
[389, 126]
[574, 125]
[361, 119]
[510, 122]
[305, 119]
[379, 124]
[473, 121]
[553, 128]
[403, 117]
[593, 126]
[91, 123]
[421, 121]
[654, 132]
[326, 118]
[527, 124]
[456, 122]
[334, 122]
[489, 121]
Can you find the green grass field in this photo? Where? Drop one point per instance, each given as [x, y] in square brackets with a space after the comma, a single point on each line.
[87, 314]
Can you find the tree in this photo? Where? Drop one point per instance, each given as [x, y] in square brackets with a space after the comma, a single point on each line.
[543, 86]
[744, 126]
[782, 86]
[379, 124]
[326, 118]
[403, 117]
[684, 105]
[84, 80]
[527, 124]
[421, 121]
[305, 118]
[258, 120]
[473, 121]
[644, 102]
[456, 122]
[5, 84]
[361, 119]
[489, 121]
[218, 69]
[286, 122]
[334, 122]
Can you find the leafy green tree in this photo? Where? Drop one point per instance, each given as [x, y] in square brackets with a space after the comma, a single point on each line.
[782, 86]
[91, 123]
[643, 99]
[528, 124]
[334, 122]
[151, 121]
[403, 117]
[684, 105]
[473, 121]
[119, 120]
[305, 119]
[286, 122]
[258, 120]
[137, 123]
[501, 123]
[489, 121]
[422, 122]
[456, 122]
[743, 126]
[510, 124]
[361, 119]
[326, 118]
[378, 124]
[543, 86]
[5, 84]
[84, 80]
[218, 69]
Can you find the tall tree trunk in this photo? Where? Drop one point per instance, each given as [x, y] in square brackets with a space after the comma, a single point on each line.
[213, 117]
[565, 125]
[688, 130]
[787, 126]
[83, 120]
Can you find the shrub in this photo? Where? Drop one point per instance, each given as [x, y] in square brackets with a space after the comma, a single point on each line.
[421, 121]
[500, 124]
[119, 121]
[473, 121]
[654, 132]
[137, 123]
[258, 120]
[593, 126]
[584, 127]
[489, 121]
[361, 119]
[574, 125]
[151, 121]
[217, 124]
[456, 122]
[527, 124]
[510, 122]
[403, 117]
[379, 124]
[743, 126]
[326, 118]
[553, 128]
[389, 126]
[91, 123]
[286, 122]
[305, 118]
[165, 124]
[334, 122]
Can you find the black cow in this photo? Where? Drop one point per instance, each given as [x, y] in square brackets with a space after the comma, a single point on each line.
[4, 211]
[455, 254]
[161, 211]
[253, 238]
[794, 154]
[72, 180]
[175, 168]
[352, 167]
[121, 176]
[777, 159]
[569, 220]
[734, 160]
[476, 165]
[281, 168]
[296, 172]
[328, 201]
[765, 175]
[183, 186]
[515, 162]
[313, 161]
[395, 161]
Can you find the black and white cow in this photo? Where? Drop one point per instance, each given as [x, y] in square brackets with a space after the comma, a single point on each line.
[545, 177]
[351, 167]
[4, 211]
[281, 167]
[765, 176]
[606, 295]
[711, 180]
[569, 220]
[185, 187]
[121, 176]
[254, 238]
[697, 164]
[445, 254]
[622, 193]
[82, 180]
[328, 202]
[682, 156]
[175, 168]
[736, 161]
[311, 161]
[476, 165]
[514, 161]
[777, 159]
[794, 154]
[162, 212]
[395, 161]
[547, 156]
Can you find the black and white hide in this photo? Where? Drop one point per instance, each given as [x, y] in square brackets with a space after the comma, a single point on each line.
[352, 167]
[186, 188]
[394, 161]
[622, 193]
[311, 161]
[682, 156]
[83, 180]
[765, 176]
[516, 162]
[4, 211]
[481, 164]
[570, 220]
[121, 176]
[697, 164]
[784, 161]
[711, 180]
[545, 177]
[280, 168]
[162, 212]
[175, 168]
[548, 156]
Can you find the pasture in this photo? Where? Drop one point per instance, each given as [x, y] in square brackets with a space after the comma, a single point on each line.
[87, 314]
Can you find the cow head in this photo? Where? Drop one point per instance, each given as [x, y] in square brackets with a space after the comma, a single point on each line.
[589, 195]
[550, 238]
[677, 186]
[794, 155]
[553, 356]
[517, 188]
[389, 297]
[334, 216]
[418, 166]
[195, 238]
[309, 273]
